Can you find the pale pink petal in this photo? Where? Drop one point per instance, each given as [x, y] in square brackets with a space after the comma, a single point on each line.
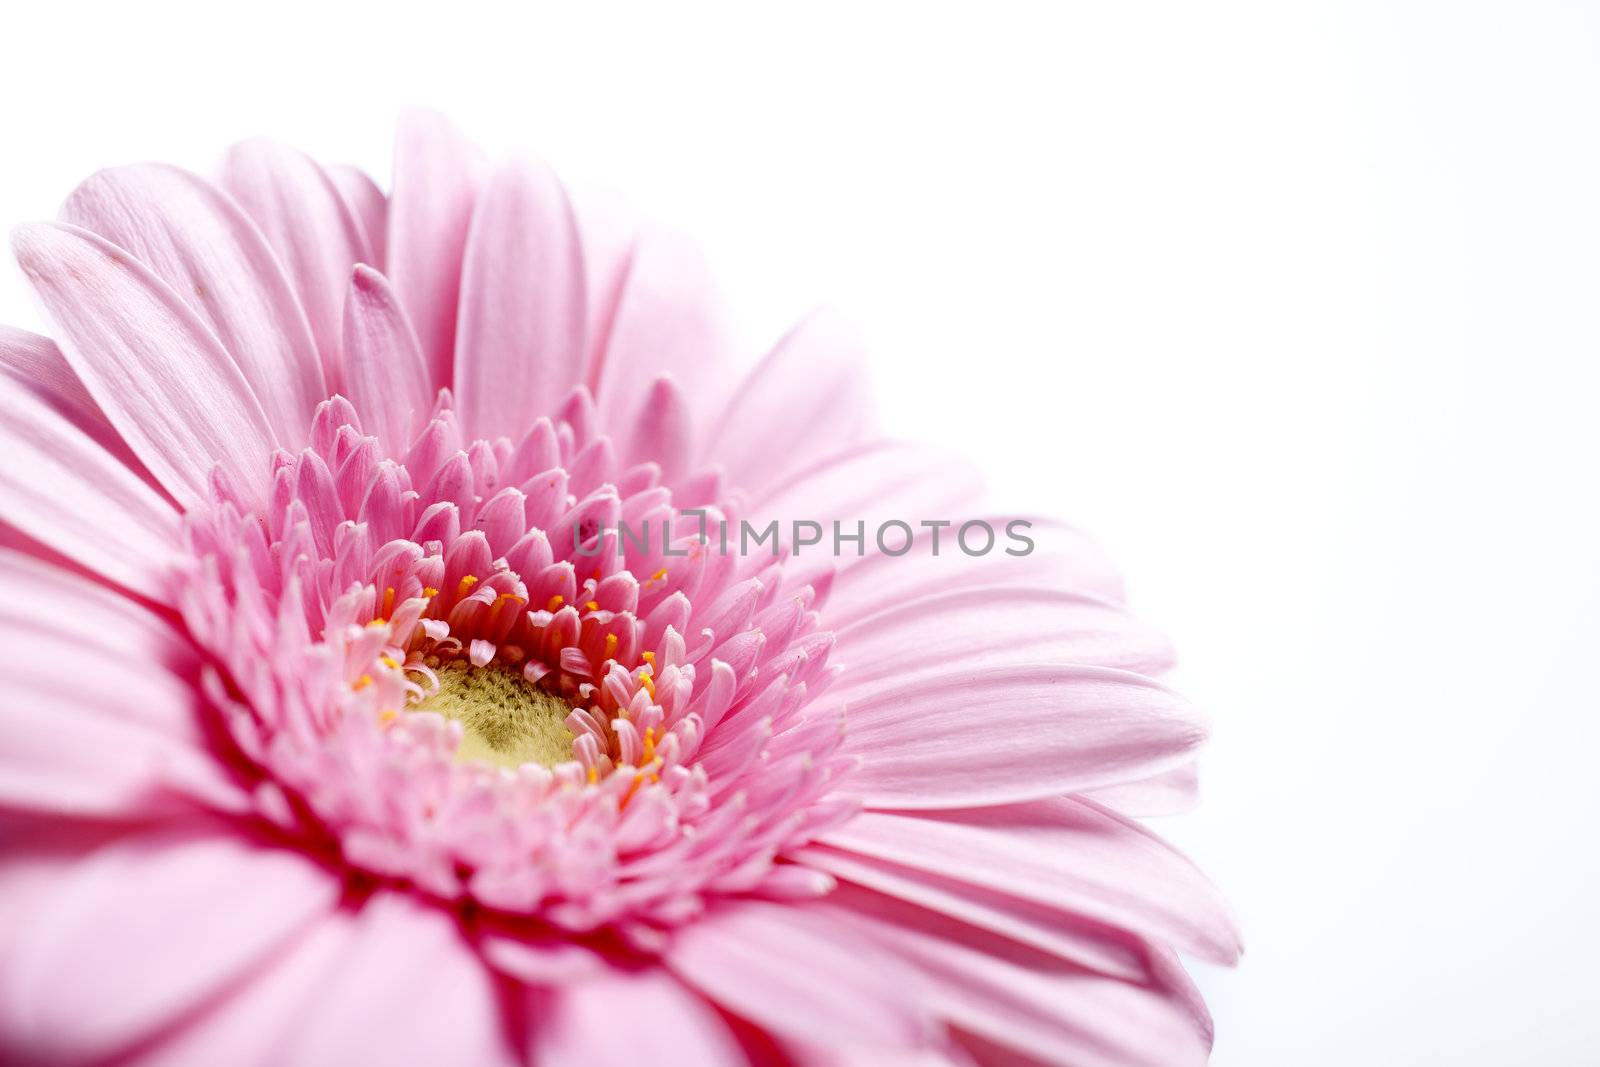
[809, 397]
[1109, 950]
[147, 929]
[1019, 998]
[999, 735]
[154, 368]
[1169, 793]
[201, 244]
[67, 492]
[609, 233]
[867, 485]
[407, 990]
[1059, 557]
[626, 1018]
[430, 208]
[519, 341]
[311, 228]
[36, 363]
[667, 322]
[1066, 852]
[992, 627]
[105, 718]
[370, 207]
[783, 969]
[384, 370]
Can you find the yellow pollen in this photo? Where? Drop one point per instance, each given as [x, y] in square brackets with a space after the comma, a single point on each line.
[555, 602]
[650, 744]
[388, 602]
[467, 582]
[387, 716]
[648, 657]
[362, 682]
[388, 661]
[649, 684]
[594, 776]
[593, 605]
[506, 720]
[659, 575]
[611, 645]
[429, 592]
[377, 624]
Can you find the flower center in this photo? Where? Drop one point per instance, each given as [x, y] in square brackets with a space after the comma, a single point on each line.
[507, 721]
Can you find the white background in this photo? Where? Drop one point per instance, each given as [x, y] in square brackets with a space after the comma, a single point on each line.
[1294, 306]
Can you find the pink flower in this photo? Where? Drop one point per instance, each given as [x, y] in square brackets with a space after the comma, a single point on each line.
[345, 722]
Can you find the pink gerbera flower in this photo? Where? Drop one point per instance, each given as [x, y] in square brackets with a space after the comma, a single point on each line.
[350, 718]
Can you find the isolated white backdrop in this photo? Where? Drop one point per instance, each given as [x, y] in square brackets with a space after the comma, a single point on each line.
[1293, 305]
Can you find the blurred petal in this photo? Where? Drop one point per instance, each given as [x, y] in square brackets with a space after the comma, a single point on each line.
[666, 1023]
[144, 931]
[430, 209]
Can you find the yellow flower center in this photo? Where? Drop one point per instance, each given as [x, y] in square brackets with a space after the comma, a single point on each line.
[507, 720]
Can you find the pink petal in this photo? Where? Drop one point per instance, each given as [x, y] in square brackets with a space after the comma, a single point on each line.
[111, 721]
[873, 483]
[430, 208]
[609, 232]
[36, 363]
[519, 342]
[1021, 999]
[145, 930]
[660, 1020]
[199, 242]
[386, 377]
[62, 489]
[667, 321]
[1065, 852]
[311, 228]
[991, 627]
[407, 990]
[1061, 558]
[1169, 793]
[1108, 950]
[783, 969]
[370, 207]
[1001, 735]
[809, 397]
[154, 368]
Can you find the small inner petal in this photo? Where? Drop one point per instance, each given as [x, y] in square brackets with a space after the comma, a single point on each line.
[506, 720]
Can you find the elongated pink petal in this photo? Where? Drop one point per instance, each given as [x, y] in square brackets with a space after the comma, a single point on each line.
[370, 207]
[519, 341]
[1058, 931]
[1014, 733]
[158, 373]
[65, 491]
[402, 952]
[107, 718]
[37, 364]
[387, 381]
[201, 244]
[145, 930]
[1018, 998]
[1053, 556]
[781, 968]
[609, 231]
[991, 627]
[1169, 793]
[1066, 852]
[430, 209]
[37, 361]
[667, 321]
[872, 484]
[312, 229]
[577, 1023]
[808, 398]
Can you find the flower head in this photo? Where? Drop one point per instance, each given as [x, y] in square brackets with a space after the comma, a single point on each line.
[385, 688]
